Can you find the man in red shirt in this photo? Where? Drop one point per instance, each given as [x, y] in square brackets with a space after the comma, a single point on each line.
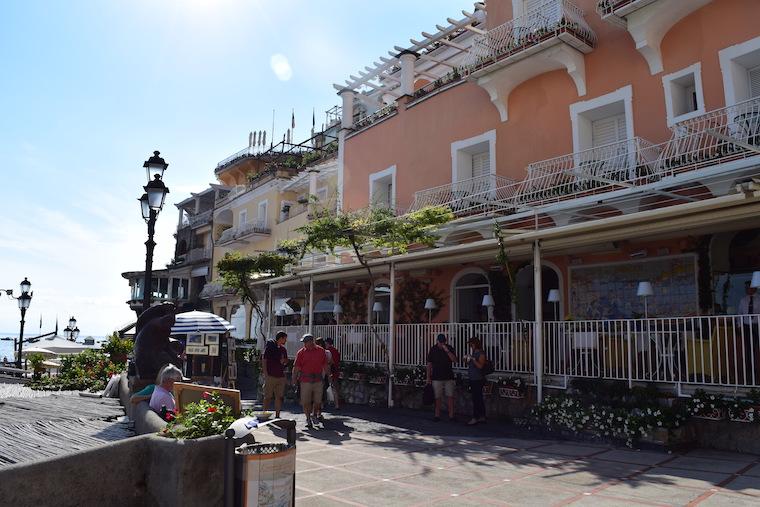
[309, 368]
[334, 370]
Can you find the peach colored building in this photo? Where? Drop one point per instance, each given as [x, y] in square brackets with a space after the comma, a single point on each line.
[615, 142]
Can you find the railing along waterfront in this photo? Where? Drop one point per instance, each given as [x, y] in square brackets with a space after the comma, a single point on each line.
[546, 21]
[481, 193]
[600, 169]
[721, 135]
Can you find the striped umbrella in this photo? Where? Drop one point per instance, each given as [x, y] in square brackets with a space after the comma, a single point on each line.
[200, 322]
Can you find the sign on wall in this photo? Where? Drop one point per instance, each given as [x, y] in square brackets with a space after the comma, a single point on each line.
[608, 291]
[198, 350]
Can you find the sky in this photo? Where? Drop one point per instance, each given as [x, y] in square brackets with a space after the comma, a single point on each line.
[88, 89]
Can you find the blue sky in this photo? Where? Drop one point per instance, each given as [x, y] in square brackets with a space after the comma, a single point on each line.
[89, 88]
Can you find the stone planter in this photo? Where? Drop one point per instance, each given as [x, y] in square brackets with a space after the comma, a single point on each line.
[714, 415]
[747, 415]
[510, 392]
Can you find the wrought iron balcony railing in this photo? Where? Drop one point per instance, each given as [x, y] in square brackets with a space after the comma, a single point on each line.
[243, 230]
[551, 19]
[467, 196]
[376, 116]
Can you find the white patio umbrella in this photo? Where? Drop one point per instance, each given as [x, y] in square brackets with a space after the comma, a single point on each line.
[200, 322]
[38, 350]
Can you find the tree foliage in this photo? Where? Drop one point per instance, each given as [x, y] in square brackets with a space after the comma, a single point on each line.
[238, 271]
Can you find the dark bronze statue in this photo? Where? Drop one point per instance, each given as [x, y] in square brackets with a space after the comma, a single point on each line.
[152, 347]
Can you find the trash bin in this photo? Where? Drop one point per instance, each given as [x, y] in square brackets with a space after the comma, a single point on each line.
[265, 475]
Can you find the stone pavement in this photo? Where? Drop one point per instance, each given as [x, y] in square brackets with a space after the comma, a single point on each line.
[395, 457]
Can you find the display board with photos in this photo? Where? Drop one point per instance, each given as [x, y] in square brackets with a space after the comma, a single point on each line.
[608, 291]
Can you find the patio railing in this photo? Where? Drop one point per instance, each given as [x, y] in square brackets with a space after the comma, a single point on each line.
[547, 21]
[718, 351]
[482, 193]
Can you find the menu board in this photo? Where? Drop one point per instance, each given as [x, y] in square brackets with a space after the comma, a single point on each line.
[608, 291]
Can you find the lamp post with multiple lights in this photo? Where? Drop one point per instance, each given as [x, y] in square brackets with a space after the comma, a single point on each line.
[72, 331]
[24, 300]
[151, 203]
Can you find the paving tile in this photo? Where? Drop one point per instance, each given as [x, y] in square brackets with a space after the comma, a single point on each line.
[465, 501]
[517, 494]
[334, 456]
[653, 492]
[518, 443]
[319, 501]
[728, 500]
[306, 466]
[331, 479]
[707, 464]
[637, 457]
[609, 501]
[589, 475]
[534, 458]
[573, 450]
[730, 456]
[386, 468]
[753, 472]
[451, 481]
[745, 485]
[382, 495]
[682, 478]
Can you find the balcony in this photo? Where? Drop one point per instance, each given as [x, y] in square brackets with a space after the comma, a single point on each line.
[466, 197]
[202, 254]
[601, 169]
[244, 231]
[504, 57]
[648, 21]
[377, 116]
[200, 219]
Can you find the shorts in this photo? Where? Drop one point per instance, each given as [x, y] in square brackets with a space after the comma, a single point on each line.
[274, 386]
[311, 392]
[443, 387]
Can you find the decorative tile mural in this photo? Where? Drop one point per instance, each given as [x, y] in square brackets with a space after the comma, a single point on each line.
[608, 291]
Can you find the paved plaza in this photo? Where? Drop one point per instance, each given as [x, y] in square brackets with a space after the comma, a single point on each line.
[381, 458]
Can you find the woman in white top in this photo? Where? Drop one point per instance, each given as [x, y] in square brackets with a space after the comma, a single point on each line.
[162, 395]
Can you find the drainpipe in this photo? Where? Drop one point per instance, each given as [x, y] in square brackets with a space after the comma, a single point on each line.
[391, 333]
[538, 340]
[311, 303]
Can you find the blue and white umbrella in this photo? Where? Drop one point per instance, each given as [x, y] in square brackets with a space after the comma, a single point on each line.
[200, 322]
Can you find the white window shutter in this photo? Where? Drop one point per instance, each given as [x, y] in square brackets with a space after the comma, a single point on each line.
[608, 130]
[481, 164]
[754, 82]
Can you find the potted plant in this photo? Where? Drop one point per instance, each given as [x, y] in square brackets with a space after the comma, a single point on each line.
[512, 387]
[745, 410]
[35, 361]
[118, 348]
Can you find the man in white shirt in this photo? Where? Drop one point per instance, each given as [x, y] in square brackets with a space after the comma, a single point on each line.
[750, 305]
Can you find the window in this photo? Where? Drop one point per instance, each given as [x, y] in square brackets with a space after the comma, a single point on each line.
[382, 188]
[468, 298]
[683, 94]
[740, 66]
[261, 214]
[285, 210]
[473, 158]
[243, 217]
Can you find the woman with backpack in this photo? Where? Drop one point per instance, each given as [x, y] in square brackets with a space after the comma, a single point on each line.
[477, 371]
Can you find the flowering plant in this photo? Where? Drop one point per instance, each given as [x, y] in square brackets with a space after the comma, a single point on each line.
[703, 404]
[206, 417]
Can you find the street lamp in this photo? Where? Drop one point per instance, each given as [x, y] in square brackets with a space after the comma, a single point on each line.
[72, 331]
[24, 300]
[151, 203]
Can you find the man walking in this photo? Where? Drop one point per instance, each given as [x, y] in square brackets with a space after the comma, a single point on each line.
[309, 368]
[334, 371]
[440, 360]
[275, 360]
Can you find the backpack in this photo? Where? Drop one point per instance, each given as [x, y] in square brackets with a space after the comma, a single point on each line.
[487, 368]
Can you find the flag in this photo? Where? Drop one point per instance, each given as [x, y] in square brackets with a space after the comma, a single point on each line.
[313, 118]
[265, 138]
[250, 139]
[40, 323]
[293, 119]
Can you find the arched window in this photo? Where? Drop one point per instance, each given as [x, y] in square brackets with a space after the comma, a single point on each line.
[467, 296]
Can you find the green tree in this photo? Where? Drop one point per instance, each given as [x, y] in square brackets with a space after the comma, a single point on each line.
[238, 271]
[368, 230]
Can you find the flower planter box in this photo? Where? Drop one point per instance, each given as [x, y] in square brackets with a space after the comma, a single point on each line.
[378, 380]
[714, 415]
[747, 415]
[401, 383]
[487, 389]
[510, 392]
[359, 377]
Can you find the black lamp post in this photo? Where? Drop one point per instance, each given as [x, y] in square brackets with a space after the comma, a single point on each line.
[151, 203]
[72, 331]
[24, 300]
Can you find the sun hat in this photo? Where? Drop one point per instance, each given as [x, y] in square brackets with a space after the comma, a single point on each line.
[308, 337]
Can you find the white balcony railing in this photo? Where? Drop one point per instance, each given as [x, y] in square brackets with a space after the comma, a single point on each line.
[549, 20]
[723, 134]
[243, 230]
[718, 351]
[471, 195]
[600, 169]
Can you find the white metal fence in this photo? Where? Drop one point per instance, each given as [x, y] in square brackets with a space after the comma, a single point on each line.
[709, 350]
[482, 193]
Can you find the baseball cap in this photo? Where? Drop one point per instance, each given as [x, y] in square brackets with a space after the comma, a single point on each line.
[441, 338]
[308, 337]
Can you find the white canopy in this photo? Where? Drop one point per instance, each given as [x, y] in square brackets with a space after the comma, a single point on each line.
[200, 322]
[57, 346]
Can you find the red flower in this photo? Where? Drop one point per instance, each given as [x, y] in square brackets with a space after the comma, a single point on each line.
[205, 395]
[212, 409]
